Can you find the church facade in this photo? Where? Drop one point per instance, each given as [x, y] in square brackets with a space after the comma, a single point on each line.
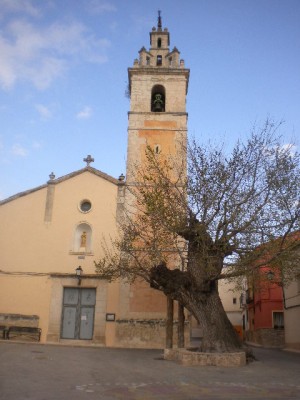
[51, 235]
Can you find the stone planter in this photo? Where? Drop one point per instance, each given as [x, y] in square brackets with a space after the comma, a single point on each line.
[190, 357]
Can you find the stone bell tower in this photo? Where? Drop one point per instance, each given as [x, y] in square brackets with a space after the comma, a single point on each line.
[158, 85]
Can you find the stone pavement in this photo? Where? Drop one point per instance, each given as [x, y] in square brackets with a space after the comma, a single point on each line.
[48, 372]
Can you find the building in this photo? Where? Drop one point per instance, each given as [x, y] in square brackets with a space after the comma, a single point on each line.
[264, 313]
[271, 305]
[291, 301]
[230, 298]
[53, 232]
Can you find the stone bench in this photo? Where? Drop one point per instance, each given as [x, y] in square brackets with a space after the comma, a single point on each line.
[3, 331]
[19, 325]
[27, 331]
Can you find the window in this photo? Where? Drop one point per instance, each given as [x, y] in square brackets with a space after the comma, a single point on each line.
[159, 60]
[278, 320]
[234, 300]
[157, 149]
[147, 60]
[159, 43]
[85, 206]
[170, 61]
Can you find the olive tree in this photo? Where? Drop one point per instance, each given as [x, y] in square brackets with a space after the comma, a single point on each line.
[219, 216]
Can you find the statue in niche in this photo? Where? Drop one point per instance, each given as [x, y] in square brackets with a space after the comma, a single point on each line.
[83, 240]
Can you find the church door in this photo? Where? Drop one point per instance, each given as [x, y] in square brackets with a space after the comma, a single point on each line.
[78, 313]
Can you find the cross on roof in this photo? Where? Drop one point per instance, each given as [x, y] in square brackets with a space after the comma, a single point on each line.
[88, 160]
[159, 24]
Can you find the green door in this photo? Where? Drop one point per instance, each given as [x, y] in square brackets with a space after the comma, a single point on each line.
[78, 313]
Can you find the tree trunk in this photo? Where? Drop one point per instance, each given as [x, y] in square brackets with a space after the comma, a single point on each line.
[169, 323]
[203, 301]
[218, 332]
[180, 331]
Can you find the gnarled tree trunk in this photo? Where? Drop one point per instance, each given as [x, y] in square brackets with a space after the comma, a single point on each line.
[204, 302]
[218, 332]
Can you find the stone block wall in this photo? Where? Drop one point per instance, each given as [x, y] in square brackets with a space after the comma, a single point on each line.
[145, 333]
[192, 358]
[267, 337]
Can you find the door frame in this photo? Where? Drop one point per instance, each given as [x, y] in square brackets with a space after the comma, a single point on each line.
[78, 317]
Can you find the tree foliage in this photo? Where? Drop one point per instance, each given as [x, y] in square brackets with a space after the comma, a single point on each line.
[219, 216]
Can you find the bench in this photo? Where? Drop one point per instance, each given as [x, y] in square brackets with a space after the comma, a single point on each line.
[3, 331]
[29, 331]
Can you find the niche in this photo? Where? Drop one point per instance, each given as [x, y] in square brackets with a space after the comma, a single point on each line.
[83, 238]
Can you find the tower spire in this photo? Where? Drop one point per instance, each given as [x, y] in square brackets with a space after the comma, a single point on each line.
[159, 24]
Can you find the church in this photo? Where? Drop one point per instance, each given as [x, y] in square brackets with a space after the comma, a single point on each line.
[51, 235]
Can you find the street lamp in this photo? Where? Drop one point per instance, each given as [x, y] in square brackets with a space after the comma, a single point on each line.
[79, 272]
[270, 275]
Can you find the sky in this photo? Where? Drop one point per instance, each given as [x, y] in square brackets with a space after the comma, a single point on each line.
[63, 77]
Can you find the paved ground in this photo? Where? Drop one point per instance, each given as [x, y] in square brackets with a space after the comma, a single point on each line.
[45, 372]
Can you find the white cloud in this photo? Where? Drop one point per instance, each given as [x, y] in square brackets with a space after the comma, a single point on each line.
[289, 147]
[99, 7]
[19, 6]
[19, 151]
[43, 111]
[85, 113]
[41, 55]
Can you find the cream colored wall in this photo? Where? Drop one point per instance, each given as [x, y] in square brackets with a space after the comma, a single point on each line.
[227, 293]
[26, 295]
[292, 315]
[29, 245]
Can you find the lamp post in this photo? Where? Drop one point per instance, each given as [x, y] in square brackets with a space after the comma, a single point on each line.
[79, 272]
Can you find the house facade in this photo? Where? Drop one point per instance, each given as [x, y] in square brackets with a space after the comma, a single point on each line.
[291, 300]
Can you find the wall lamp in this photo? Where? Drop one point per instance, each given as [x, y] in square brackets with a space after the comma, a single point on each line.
[79, 272]
[270, 275]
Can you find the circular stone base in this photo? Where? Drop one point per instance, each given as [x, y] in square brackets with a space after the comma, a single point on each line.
[188, 357]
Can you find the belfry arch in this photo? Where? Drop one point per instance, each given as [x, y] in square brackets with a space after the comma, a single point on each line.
[158, 98]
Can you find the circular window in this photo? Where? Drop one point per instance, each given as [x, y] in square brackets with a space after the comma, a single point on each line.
[85, 206]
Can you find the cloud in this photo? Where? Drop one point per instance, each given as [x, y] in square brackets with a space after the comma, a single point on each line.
[290, 147]
[19, 151]
[41, 55]
[43, 111]
[85, 113]
[100, 7]
[17, 6]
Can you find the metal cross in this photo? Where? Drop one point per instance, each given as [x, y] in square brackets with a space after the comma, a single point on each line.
[88, 160]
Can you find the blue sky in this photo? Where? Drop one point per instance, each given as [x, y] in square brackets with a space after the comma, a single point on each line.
[63, 75]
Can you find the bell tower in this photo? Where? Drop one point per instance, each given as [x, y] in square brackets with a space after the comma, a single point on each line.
[158, 85]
